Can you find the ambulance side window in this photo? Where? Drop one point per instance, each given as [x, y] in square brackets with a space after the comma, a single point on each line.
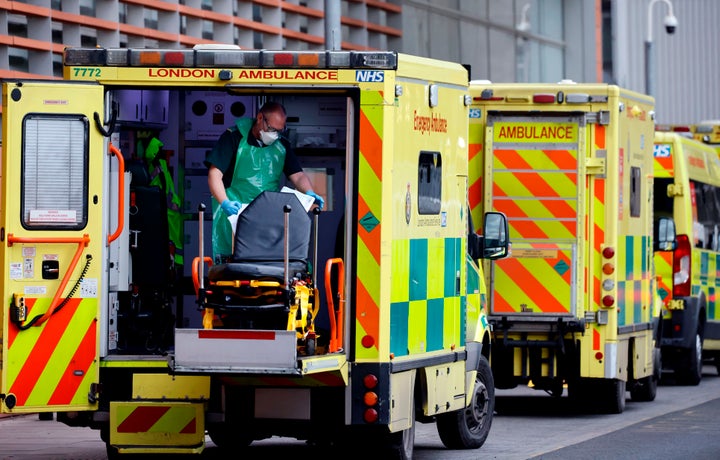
[429, 182]
[54, 179]
[635, 188]
[707, 210]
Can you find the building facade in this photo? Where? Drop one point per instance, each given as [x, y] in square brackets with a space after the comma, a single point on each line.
[501, 40]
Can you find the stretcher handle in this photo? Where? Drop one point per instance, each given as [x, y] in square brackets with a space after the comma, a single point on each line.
[316, 214]
[286, 261]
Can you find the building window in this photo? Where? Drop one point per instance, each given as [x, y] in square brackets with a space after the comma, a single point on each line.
[151, 19]
[87, 7]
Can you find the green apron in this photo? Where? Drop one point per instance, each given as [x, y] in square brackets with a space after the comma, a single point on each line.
[256, 169]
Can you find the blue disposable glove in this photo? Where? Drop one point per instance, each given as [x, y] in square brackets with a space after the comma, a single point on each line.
[231, 207]
[318, 199]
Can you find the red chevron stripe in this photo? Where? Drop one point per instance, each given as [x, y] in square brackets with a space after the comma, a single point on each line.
[512, 159]
[665, 163]
[497, 191]
[560, 209]
[500, 305]
[37, 361]
[531, 286]
[600, 220]
[190, 428]
[596, 340]
[371, 238]
[142, 419]
[475, 193]
[563, 159]
[368, 314]
[371, 145]
[473, 150]
[596, 289]
[82, 360]
[599, 136]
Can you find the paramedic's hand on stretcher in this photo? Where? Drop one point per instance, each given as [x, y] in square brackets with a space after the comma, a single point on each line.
[231, 207]
[318, 199]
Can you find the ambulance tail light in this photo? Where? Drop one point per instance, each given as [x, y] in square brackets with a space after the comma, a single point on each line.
[608, 283]
[370, 399]
[682, 267]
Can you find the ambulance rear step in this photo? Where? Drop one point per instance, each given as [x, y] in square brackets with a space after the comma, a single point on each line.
[235, 351]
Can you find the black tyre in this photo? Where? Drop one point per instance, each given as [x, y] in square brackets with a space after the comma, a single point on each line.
[400, 445]
[227, 438]
[469, 428]
[604, 396]
[111, 452]
[612, 396]
[691, 373]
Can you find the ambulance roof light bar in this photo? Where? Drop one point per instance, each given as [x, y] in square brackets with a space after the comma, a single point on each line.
[226, 56]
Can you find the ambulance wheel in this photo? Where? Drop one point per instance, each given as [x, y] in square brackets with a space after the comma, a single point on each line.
[400, 445]
[112, 452]
[226, 438]
[716, 360]
[611, 398]
[469, 428]
[691, 374]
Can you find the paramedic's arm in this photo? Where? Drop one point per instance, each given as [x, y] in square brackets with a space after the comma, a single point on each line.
[215, 183]
[300, 180]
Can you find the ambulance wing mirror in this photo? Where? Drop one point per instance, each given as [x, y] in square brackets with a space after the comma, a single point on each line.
[664, 236]
[495, 243]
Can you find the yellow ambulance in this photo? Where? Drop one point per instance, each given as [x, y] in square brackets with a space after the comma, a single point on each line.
[570, 165]
[687, 189]
[381, 325]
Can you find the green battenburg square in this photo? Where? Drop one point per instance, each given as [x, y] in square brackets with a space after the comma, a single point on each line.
[561, 267]
[369, 221]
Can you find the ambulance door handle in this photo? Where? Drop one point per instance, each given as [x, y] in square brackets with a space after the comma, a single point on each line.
[595, 166]
[121, 193]
[111, 123]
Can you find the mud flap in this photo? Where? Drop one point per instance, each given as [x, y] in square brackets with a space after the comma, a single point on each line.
[154, 427]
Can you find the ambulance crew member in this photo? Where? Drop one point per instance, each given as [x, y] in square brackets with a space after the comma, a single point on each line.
[248, 159]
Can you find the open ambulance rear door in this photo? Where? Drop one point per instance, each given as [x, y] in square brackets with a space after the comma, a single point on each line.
[53, 246]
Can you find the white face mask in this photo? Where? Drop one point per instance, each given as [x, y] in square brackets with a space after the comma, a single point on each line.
[268, 138]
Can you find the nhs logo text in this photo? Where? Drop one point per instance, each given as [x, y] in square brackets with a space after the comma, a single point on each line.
[370, 76]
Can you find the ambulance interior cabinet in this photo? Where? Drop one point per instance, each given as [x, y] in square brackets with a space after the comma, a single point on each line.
[142, 106]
